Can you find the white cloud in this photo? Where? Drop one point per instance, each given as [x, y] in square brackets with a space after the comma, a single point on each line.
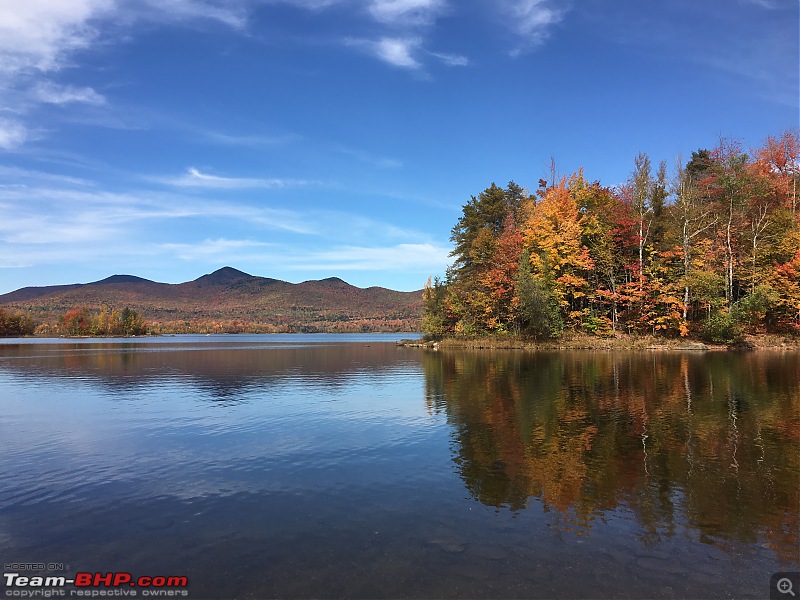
[45, 215]
[39, 176]
[533, 19]
[194, 178]
[65, 225]
[401, 257]
[767, 4]
[451, 60]
[220, 249]
[398, 52]
[39, 37]
[52, 93]
[230, 13]
[38, 34]
[406, 12]
[381, 162]
[12, 134]
[249, 140]
[307, 4]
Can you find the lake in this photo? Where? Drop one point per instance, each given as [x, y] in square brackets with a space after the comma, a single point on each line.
[299, 466]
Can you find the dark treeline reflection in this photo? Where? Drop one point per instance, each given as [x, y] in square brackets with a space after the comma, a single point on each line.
[705, 443]
[223, 369]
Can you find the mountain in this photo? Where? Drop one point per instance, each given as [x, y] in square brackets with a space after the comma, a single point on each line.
[228, 300]
[123, 279]
[224, 276]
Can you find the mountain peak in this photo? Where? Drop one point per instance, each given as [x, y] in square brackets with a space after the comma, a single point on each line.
[332, 282]
[123, 279]
[230, 272]
[223, 275]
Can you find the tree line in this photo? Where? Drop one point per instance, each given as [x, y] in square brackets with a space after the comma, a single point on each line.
[76, 321]
[15, 324]
[103, 321]
[106, 321]
[712, 250]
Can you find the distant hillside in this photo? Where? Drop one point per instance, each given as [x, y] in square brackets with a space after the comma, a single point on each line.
[230, 300]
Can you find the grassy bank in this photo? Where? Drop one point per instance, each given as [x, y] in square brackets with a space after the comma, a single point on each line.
[619, 342]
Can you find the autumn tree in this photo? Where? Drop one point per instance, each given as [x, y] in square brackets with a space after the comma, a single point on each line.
[76, 321]
[730, 181]
[780, 158]
[499, 280]
[487, 249]
[639, 189]
[693, 214]
[481, 223]
[715, 251]
[435, 321]
[15, 324]
[553, 235]
[608, 231]
[538, 311]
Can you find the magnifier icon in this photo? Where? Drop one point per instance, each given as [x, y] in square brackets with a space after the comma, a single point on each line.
[785, 586]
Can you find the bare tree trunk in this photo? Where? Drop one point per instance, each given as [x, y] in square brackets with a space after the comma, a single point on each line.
[729, 255]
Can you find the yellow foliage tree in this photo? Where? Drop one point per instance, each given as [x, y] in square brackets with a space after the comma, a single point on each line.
[553, 234]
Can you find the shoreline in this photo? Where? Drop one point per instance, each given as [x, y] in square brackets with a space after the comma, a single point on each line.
[621, 342]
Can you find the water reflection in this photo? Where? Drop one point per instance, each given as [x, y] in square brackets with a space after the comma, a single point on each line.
[707, 444]
[225, 370]
[327, 470]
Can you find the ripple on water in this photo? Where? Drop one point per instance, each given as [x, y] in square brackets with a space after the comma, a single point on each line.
[312, 468]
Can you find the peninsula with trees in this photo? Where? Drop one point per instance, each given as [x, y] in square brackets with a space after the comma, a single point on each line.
[709, 252]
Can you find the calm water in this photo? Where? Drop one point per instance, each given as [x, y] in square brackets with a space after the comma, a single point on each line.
[343, 466]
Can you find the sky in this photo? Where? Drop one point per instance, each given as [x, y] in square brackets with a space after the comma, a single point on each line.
[304, 139]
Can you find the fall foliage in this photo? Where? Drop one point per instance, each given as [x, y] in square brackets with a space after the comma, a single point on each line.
[79, 321]
[712, 253]
[15, 324]
[226, 301]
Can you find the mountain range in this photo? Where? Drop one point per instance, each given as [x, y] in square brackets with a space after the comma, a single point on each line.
[230, 300]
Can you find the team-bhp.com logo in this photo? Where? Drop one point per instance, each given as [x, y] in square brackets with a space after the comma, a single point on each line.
[116, 584]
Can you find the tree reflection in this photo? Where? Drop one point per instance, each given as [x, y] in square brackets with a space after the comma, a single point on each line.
[706, 443]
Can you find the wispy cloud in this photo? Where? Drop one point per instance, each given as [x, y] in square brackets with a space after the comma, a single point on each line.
[381, 162]
[40, 37]
[194, 178]
[533, 20]
[749, 43]
[23, 175]
[230, 13]
[308, 4]
[52, 93]
[12, 134]
[39, 34]
[220, 249]
[68, 215]
[401, 257]
[63, 220]
[451, 60]
[767, 4]
[406, 12]
[398, 52]
[44, 215]
[252, 141]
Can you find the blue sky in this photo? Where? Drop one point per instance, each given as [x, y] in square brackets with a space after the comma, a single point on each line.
[302, 139]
